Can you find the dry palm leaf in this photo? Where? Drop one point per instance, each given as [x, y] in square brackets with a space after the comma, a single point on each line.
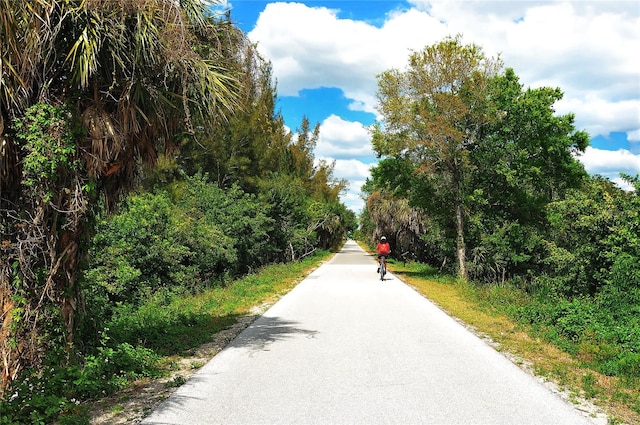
[106, 141]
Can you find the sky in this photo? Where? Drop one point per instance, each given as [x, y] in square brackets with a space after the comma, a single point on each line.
[326, 55]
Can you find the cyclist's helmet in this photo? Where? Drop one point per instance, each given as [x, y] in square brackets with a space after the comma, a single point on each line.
[384, 238]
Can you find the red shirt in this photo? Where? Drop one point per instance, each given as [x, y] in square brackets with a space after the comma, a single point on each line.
[383, 248]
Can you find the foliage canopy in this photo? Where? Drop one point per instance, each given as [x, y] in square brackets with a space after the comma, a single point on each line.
[101, 97]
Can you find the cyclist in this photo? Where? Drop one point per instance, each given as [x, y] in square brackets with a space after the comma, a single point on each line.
[383, 249]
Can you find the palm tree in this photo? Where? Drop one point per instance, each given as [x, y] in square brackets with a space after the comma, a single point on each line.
[106, 86]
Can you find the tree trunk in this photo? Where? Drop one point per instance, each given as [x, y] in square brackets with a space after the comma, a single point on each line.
[293, 253]
[9, 356]
[460, 245]
[67, 284]
[25, 300]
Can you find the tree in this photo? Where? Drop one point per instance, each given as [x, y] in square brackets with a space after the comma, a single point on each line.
[526, 160]
[527, 157]
[589, 230]
[434, 113]
[300, 153]
[239, 149]
[89, 90]
[482, 156]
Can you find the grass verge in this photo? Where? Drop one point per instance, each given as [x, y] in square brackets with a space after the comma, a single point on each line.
[189, 330]
[484, 309]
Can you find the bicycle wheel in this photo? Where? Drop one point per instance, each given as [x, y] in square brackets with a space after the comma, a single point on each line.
[383, 270]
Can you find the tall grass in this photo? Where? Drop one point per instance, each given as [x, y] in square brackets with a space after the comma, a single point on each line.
[175, 324]
[142, 343]
[555, 338]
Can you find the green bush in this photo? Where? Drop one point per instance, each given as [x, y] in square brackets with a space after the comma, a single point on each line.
[153, 244]
[238, 215]
[160, 326]
[508, 249]
[629, 365]
[55, 394]
[111, 369]
[286, 202]
[603, 333]
[588, 231]
[621, 295]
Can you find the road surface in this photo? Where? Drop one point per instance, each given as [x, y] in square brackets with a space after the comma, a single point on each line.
[345, 348]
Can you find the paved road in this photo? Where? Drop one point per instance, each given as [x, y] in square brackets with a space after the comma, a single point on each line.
[345, 348]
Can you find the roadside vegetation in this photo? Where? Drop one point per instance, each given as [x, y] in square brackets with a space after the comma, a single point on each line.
[146, 343]
[501, 312]
[146, 177]
[144, 169]
[479, 179]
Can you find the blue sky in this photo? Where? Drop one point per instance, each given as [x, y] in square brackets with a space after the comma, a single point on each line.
[246, 12]
[326, 54]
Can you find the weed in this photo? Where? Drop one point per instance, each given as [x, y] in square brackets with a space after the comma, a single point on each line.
[177, 381]
[117, 409]
[562, 340]
[589, 385]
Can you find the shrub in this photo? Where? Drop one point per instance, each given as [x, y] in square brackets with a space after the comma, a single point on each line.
[112, 368]
[153, 244]
[54, 394]
[236, 214]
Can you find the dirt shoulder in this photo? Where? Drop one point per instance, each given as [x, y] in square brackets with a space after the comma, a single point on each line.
[132, 405]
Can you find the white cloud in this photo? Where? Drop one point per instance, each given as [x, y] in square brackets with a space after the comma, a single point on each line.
[310, 47]
[582, 47]
[634, 136]
[353, 202]
[343, 139]
[599, 116]
[623, 184]
[586, 48]
[352, 170]
[610, 163]
[355, 172]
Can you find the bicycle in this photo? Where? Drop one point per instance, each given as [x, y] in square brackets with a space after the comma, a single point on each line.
[383, 268]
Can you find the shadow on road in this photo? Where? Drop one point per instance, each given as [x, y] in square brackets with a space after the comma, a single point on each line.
[267, 330]
[260, 334]
[351, 254]
[350, 250]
